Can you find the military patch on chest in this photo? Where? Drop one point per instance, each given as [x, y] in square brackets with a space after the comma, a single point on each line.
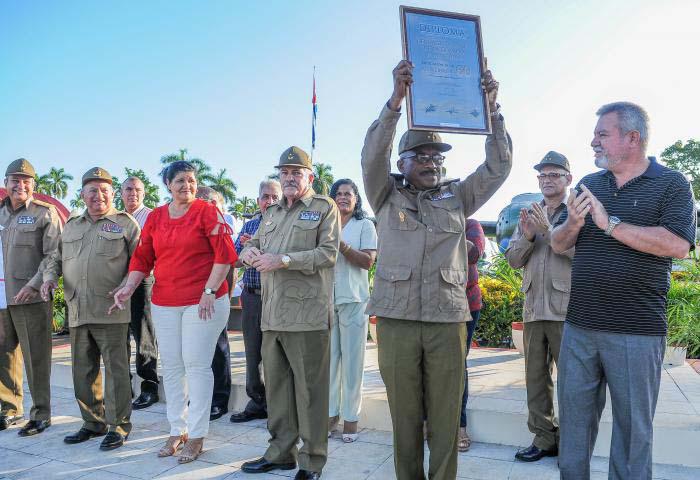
[310, 215]
[111, 228]
[26, 220]
[442, 195]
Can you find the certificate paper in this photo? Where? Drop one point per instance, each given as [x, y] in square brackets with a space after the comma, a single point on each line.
[445, 49]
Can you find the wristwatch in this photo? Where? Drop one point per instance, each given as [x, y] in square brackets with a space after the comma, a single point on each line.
[612, 223]
[209, 291]
[286, 260]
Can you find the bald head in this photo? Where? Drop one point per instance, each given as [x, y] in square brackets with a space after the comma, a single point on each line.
[133, 192]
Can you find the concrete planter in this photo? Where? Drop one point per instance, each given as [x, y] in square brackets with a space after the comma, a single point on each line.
[675, 356]
[517, 335]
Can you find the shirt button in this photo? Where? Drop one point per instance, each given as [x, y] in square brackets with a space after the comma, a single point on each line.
[393, 277]
[425, 281]
[430, 229]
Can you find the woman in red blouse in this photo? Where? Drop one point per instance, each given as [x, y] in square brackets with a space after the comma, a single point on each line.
[189, 244]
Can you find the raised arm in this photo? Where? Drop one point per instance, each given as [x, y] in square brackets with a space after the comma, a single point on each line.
[376, 152]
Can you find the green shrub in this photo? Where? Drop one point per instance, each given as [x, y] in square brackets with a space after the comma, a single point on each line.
[684, 308]
[59, 307]
[502, 303]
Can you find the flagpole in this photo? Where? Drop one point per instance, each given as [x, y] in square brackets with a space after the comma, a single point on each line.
[313, 114]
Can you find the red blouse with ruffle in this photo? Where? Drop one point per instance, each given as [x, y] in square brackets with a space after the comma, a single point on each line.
[183, 251]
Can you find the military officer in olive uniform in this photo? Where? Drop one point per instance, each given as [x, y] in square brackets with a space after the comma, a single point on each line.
[419, 287]
[295, 249]
[93, 257]
[29, 230]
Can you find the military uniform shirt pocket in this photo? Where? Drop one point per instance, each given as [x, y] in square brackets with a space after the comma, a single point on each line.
[109, 243]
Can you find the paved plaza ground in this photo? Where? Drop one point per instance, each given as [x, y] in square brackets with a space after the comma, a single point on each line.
[496, 405]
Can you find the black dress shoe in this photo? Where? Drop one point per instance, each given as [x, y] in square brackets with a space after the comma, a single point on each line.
[307, 475]
[8, 420]
[113, 440]
[533, 453]
[32, 427]
[261, 466]
[217, 412]
[145, 400]
[246, 416]
[82, 435]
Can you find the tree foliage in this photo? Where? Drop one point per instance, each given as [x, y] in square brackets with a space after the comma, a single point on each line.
[685, 157]
[323, 178]
[205, 176]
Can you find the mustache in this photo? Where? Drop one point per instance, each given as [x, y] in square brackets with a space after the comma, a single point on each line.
[290, 184]
[430, 172]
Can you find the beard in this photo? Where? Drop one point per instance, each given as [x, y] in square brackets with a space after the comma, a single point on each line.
[602, 162]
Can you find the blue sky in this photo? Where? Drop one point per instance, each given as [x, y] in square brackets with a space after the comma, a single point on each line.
[116, 84]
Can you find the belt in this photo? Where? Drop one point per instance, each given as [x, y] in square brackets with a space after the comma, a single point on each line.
[254, 291]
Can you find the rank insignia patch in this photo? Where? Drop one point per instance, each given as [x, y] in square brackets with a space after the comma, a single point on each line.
[111, 228]
[310, 215]
[442, 195]
[26, 220]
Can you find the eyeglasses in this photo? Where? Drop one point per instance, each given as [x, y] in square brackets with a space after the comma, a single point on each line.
[551, 176]
[424, 158]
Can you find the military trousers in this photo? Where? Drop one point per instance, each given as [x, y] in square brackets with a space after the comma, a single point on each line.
[111, 410]
[296, 366]
[542, 342]
[422, 365]
[141, 328]
[25, 333]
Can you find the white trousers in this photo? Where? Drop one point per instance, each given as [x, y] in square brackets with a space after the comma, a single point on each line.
[348, 341]
[186, 345]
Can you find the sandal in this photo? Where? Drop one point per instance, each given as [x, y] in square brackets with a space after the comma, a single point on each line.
[350, 432]
[464, 441]
[192, 449]
[172, 445]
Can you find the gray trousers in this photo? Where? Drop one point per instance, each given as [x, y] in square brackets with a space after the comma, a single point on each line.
[630, 366]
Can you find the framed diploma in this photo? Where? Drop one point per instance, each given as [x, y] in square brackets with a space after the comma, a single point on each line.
[447, 56]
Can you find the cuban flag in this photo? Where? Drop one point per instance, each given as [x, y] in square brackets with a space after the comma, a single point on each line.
[314, 109]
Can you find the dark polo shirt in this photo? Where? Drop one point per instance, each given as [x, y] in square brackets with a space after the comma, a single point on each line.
[615, 288]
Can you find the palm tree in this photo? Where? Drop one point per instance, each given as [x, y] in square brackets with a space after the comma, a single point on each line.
[224, 185]
[243, 206]
[203, 171]
[77, 202]
[57, 185]
[42, 184]
[323, 178]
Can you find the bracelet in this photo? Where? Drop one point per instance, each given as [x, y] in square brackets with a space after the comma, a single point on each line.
[345, 250]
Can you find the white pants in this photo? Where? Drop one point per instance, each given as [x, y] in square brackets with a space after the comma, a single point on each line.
[186, 345]
[348, 341]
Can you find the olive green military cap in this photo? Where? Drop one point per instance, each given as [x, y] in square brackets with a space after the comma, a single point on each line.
[555, 159]
[21, 166]
[294, 157]
[97, 173]
[419, 138]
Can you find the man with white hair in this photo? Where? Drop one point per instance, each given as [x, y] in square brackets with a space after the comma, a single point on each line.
[627, 222]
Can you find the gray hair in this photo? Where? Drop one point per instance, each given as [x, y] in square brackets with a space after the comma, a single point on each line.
[631, 117]
[270, 182]
[205, 193]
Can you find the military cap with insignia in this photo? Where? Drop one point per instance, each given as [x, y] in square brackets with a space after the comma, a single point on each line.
[555, 159]
[21, 166]
[419, 138]
[97, 173]
[294, 157]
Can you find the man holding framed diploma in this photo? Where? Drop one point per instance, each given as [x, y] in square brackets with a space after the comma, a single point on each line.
[419, 289]
[446, 53]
